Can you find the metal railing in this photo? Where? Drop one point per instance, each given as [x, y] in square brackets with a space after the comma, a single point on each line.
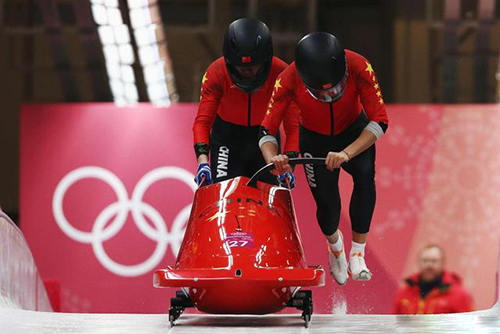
[20, 283]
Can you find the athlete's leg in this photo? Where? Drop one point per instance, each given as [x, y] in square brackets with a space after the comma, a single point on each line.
[324, 188]
[362, 205]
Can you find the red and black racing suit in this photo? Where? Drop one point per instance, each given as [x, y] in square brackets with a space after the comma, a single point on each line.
[228, 122]
[326, 127]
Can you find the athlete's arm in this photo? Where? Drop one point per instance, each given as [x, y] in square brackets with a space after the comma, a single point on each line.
[364, 141]
[370, 95]
[211, 93]
[373, 104]
[279, 109]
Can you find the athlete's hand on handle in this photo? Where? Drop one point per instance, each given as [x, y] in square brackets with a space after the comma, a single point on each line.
[281, 164]
[335, 159]
[287, 180]
[204, 175]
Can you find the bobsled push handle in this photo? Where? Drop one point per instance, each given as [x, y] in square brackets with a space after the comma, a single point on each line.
[294, 161]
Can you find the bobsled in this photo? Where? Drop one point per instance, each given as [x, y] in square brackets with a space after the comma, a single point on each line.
[242, 252]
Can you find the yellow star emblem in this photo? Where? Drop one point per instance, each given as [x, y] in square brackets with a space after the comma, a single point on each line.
[376, 86]
[277, 85]
[381, 101]
[268, 112]
[204, 78]
[369, 68]
[218, 214]
[379, 94]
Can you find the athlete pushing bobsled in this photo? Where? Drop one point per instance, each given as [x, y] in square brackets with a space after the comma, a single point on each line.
[235, 91]
[342, 115]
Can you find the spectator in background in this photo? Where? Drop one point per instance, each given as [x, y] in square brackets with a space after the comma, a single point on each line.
[433, 290]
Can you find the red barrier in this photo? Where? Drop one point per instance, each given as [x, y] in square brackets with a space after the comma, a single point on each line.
[53, 288]
[106, 193]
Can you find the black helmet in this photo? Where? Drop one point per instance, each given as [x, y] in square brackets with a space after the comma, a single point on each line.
[321, 63]
[248, 42]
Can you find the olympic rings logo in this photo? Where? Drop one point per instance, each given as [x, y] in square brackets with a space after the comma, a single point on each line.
[120, 209]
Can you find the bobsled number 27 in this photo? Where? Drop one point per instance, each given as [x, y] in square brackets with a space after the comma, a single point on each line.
[242, 252]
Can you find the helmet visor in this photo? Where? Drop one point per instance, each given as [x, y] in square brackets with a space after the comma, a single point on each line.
[331, 94]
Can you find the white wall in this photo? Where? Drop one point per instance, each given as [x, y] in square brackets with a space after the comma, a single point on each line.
[20, 284]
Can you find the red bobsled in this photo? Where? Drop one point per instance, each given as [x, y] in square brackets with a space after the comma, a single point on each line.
[242, 252]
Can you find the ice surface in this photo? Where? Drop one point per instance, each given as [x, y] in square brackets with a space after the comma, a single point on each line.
[20, 321]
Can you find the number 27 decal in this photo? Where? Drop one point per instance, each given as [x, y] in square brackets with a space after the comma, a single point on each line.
[237, 243]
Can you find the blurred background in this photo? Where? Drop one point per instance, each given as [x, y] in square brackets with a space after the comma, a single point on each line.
[428, 51]
[424, 52]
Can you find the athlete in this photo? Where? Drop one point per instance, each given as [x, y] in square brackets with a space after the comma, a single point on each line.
[341, 114]
[236, 89]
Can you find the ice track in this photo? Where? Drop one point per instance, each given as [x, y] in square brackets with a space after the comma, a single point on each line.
[20, 321]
